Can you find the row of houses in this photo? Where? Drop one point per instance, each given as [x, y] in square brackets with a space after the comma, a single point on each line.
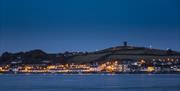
[107, 66]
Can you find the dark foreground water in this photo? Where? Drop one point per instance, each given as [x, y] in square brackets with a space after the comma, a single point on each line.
[124, 82]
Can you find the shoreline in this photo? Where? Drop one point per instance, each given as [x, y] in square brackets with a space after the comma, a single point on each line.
[87, 73]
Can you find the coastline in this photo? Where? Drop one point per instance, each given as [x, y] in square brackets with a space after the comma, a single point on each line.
[89, 73]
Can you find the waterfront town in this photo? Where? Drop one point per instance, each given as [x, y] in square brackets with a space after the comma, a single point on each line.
[120, 59]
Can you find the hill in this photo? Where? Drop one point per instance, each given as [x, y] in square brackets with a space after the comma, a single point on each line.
[114, 53]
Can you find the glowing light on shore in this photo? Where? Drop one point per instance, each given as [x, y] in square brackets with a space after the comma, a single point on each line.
[150, 69]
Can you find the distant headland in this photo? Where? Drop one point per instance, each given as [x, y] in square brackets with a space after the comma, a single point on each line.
[120, 59]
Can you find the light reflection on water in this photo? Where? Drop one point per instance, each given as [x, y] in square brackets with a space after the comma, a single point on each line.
[93, 82]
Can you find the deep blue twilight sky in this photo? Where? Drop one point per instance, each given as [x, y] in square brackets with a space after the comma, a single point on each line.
[86, 25]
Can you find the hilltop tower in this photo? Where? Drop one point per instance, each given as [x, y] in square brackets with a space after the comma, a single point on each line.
[125, 43]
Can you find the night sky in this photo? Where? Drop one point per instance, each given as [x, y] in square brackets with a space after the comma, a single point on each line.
[87, 25]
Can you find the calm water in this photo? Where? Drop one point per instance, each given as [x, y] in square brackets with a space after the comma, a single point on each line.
[124, 82]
